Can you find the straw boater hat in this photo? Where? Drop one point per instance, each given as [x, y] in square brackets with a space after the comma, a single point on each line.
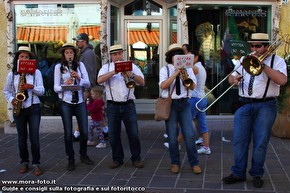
[259, 37]
[116, 48]
[25, 49]
[67, 46]
[173, 47]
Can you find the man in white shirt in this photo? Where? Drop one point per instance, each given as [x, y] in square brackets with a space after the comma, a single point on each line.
[255, 118]
[121, 107]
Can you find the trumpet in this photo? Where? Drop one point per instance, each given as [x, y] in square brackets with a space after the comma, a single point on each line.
[186, 81]
[253, 65]
[19, 96]
[130, 83]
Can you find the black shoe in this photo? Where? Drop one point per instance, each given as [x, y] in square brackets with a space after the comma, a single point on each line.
[76, 138]
[231, 179]
[71, 165]
[85, 159]
[115, 165]
[258, 182]
[106, 136]
[138, 164]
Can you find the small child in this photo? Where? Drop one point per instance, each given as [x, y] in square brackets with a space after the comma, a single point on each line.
[95, 106]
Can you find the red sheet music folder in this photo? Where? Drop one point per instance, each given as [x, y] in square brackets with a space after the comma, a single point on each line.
[26, 66]
[123, 66]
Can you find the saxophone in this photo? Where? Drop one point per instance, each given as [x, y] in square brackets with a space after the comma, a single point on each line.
[19, 96]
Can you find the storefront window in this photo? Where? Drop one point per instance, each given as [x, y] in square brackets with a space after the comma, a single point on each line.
[143, 8]
[45, 28]
[220, 34]
[172, 21]
[114, 25]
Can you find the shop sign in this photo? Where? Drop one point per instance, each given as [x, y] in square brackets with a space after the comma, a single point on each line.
[40, 12]
[245, 13]
[36, 10]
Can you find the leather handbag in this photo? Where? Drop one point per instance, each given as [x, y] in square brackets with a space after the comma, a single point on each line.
[163, 105]
[162, 108]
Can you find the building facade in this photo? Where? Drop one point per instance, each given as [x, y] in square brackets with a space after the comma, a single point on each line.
[219, 30]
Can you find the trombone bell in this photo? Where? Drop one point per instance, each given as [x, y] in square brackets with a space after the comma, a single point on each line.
[252, 65]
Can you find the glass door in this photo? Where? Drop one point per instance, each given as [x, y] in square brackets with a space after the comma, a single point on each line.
[143, 40]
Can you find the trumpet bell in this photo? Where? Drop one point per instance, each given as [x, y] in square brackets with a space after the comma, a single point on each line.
[130, 84]
[187, 82]
[252, 65]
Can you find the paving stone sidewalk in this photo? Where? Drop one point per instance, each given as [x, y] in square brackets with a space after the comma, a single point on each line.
[154, 177]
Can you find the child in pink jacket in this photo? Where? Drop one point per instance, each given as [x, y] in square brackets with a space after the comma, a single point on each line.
[95, 105]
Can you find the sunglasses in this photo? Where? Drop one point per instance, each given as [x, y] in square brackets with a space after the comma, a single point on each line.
[257, 46]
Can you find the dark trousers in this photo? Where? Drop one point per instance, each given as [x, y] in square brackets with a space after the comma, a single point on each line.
[31, 117]
[67, 111]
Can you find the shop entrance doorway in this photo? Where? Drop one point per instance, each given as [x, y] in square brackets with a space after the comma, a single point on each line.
[143, 40]
[205, 36]
[220, 34]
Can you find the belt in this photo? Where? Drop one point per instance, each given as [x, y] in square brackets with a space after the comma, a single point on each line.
[120, 103]
[181, 99]
[255, 100]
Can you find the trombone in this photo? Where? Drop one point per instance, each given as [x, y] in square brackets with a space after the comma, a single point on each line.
[251, 64]
[209, 92]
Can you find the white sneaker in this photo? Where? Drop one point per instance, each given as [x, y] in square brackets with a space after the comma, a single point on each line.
[199, 141]
[166, 144]
[165, 135]
[101, 145]
[204, 150]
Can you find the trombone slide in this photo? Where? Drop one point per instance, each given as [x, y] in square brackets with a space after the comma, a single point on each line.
[224, 79]
[203, 110]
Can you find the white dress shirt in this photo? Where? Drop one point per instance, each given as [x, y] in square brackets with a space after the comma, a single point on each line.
[260, 81]
[60, 78]
[116, 86]
[185, 93]
[34, 79]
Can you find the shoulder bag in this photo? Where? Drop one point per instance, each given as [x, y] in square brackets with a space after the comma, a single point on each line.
[163, 105]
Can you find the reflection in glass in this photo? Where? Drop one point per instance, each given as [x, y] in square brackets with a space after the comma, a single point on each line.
[142, 8]
[220, 33]
[114, 25]
[45, 28]
[172, 21]
[143, 41]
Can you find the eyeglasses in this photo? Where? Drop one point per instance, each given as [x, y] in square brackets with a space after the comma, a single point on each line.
[257, 46]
